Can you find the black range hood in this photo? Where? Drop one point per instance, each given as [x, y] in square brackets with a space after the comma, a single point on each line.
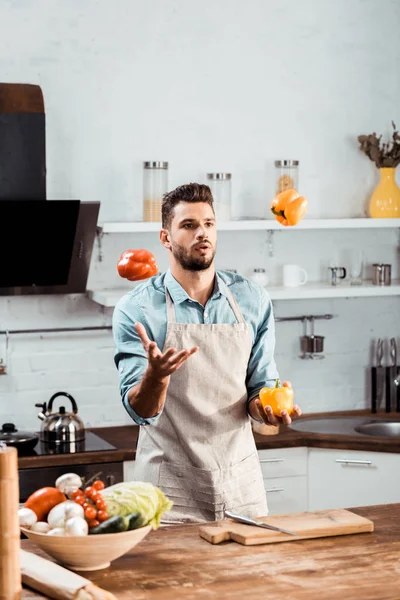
[46, 246]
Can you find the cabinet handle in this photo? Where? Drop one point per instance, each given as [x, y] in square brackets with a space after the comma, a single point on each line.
[275, 490]
[271, 460]
[346, 461]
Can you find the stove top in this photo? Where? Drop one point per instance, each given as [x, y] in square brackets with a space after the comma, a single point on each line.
[91, 443]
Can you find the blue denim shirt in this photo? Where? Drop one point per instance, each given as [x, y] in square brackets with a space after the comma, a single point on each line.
[146, 304]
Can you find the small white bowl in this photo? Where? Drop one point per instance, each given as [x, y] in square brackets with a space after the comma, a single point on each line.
[88, 552]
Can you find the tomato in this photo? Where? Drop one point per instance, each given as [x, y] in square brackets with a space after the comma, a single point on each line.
[43, 500]
[93, 523]
[76, 494]
[98, 485]
[101, 504]
[102, 515]
[89, 491]
[80, 500]
[90, 512]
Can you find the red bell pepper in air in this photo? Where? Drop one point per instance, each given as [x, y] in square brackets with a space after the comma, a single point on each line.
[137, 264]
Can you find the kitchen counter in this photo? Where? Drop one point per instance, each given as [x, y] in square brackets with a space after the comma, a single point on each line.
[174, 562]
[124, 438]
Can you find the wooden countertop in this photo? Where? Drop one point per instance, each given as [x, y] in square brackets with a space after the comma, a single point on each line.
[174, 562]
[124, 438]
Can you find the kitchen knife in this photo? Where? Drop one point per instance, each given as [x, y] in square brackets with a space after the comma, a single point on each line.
[248, 521]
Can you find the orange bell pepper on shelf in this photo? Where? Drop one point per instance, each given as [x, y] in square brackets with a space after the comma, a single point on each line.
[289, 207]
[135, 265]
[278, 398]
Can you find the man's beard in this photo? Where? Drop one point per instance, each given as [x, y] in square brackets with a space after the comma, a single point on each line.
[189, 262]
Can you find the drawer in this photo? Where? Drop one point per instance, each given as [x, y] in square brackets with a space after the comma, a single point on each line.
[283, 462]
[286, 495]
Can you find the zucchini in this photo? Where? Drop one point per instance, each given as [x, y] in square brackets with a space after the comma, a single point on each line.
[111, 525]
[135, 521]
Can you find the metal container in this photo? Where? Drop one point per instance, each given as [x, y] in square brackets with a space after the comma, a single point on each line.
[311, 344]
[287, 175]
[381, 274]
[155, 185]
[220, 186]
[61, 427]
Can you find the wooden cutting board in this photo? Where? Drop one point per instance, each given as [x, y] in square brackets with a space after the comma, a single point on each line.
[323, 523]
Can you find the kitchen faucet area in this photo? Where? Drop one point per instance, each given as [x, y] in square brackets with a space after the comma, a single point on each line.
[199, 300]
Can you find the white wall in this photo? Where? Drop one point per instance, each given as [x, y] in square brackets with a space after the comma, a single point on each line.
[220, 85]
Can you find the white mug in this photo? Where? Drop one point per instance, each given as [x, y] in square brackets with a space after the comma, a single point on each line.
[294, 276]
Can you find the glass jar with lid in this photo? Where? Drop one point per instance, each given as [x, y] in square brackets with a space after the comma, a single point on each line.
[155, 185]
[286, 175]
[260, 277]
[220, 185]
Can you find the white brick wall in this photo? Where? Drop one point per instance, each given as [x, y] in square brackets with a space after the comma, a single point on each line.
[208, 86]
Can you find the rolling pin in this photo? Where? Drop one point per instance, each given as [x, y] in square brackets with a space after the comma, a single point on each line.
[10, 573]
[56, 582]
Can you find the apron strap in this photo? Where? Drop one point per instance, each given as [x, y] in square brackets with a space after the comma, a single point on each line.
[234, 306]
[171, 317]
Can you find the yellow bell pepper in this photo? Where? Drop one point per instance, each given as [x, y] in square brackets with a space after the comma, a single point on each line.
[289, 207]
[278, 398]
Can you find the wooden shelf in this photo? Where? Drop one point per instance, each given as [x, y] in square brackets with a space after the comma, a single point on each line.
[313, 290]
[260, 225]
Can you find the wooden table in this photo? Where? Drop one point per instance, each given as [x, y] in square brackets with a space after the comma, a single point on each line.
[174, 563]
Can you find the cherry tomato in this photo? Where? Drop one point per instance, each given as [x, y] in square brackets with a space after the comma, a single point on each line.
[102, 515]
[90, 513]
[80, 500]
[101, 503]
[88, 491]
[98, 484]
[76, 494]
[93, 523]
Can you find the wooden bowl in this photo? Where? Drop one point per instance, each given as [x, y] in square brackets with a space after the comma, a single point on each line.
[89, 552]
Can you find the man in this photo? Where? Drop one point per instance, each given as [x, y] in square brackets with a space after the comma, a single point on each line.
[194, 346]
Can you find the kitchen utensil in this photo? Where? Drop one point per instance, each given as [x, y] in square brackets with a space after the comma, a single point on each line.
[88, 552]
[312, 345]
[10, 576]
[248, 521]
[376, 377]
[381, 274]
[294, 276]
[61, 427]
[307, 525]
[335, 274]
[24, 441]
[56, 582]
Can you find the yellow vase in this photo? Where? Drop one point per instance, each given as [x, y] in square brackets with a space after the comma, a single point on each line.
[385, 201]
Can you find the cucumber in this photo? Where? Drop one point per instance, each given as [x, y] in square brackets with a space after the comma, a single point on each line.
[135, 521]
[111, 525]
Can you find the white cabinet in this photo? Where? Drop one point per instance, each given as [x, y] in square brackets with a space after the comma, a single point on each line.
[285, 479]
[350, 478]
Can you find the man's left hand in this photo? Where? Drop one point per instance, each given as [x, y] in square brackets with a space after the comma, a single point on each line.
[266, 414]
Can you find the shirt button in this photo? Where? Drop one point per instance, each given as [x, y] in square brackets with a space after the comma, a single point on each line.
[206, 315]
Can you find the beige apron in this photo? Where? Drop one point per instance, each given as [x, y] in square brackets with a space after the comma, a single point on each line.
[201, 452]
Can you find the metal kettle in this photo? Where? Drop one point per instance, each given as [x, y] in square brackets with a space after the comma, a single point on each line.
[61, 427]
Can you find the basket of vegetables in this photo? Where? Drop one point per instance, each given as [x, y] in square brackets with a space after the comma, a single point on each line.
[87, 526]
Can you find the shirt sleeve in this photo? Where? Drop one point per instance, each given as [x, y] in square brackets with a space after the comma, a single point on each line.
[130, 357]
[262, 370]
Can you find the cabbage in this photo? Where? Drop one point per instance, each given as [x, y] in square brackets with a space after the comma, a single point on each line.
[137, 496]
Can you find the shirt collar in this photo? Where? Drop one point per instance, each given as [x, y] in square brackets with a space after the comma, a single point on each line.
[179, 295]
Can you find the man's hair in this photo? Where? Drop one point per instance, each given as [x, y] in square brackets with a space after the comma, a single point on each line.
[190, 192]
